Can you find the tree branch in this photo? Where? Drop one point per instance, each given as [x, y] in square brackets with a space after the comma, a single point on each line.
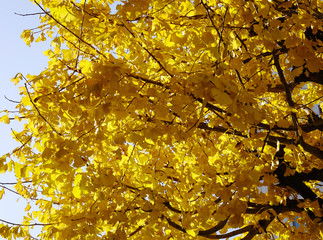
[74, 34]
[286, 88]
[214, 229]
[29, 14]
[32, 102]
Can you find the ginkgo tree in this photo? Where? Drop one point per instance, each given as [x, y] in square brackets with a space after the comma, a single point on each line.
[164, 119]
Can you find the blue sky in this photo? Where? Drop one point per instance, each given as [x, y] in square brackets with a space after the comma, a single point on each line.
[15, 57]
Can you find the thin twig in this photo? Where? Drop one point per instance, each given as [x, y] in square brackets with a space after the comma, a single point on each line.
[22, 144]
[263, 146]
[26, 225]
[159, 63]
[32, 102]
[241, 41]
[150, 54]
[13, 183]
[74, 34]
[15, 192]
[239, 77]
[219, 44]
[10, 100]
[81, 34]
[137, 230]
[29, 14]
[90, 129]
[209, 16]
[124, 174]
[158, 10]
[313, 101]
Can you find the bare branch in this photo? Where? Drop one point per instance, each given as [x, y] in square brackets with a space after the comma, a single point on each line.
[29, 14]
[26, 225]
[11, 100]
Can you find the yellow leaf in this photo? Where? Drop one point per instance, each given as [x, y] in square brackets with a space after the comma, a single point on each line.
[27, 207]
[1, 193]
[18, 169]
[152, 109]
[77, 179]
[269, 179]
[192, 232]
[67, 54]
[5, 119]
[77, 191]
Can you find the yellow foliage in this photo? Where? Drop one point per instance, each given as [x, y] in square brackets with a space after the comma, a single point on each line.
[172, 120]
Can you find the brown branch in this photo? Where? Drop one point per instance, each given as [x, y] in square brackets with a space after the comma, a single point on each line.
[158, 10]
[79, 9]
[263, 146]
[312, 77]
[90, 130]
[304, 127]
[214, 229]
[311, 149]
[209, 16]
[286, 88]
[175, 225]
[167, 204]
[132, 151]
[263, 224]
[209, 105]
[137, 230]
[272, 140]
[10, 190]
[221, 33]
[251, 229]
[204, 126]
[239, 77]
[314, 174]
[231, 234]
[283, 80]
[146, 80]
[22, 144]
[59, 90]
[81, 50]
[288, 206]
[159, 63]
[241, 41]
[280, 87]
